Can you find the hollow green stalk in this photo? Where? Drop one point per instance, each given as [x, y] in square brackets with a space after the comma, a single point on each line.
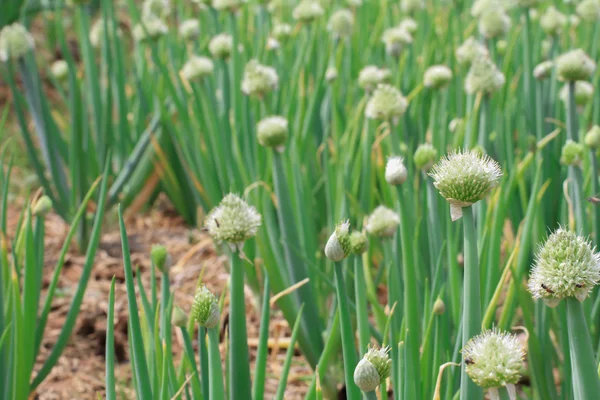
[575, 175]
[362, 314]
[216, 388]
[471, 315]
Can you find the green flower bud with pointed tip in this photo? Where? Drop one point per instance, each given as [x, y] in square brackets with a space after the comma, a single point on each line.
[221, 46]
[589, 10]
[160, 258]
[386, 103]
[179, 318]
[572, 153]
[501, 46]
[439, 308]
[592, 138]
[395, 171]
[484, 76]
[494, 359]
[382, 222]
[205, 308]
[259, 79]
[42, 206]
[338, 246]
[197, 67]
[437, 76]
[341, 23]
[233, 221]
[358, 242]
[494, 23]
[566, 265]
[425, 156]
[469, 51]
[373, 369]
[272, 132]
[307, 11]
[553, 21]
[465, 177]
[575, 65]
[15, 42]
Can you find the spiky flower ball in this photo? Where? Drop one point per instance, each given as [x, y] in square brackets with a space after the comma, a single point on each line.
[572, 153]
[15, 42]
[494, 23]
[150, 28]
[409, 25]
[470, 50]
[205, 308]
[543, 70]
[259, 79]
[494, 359]
[589, 10]
[395, 171]
[59, 69]
[553, 21]
[358, 242]
[387, 103]
[307, 11]
[465, 177]
[575, 65]
[233, 221]
[282, 31]
[189, 29]
[383, 222]
[395, 40]
[341, 23]
[566, 265]
[412, 6]
[221, 46]
[592, 138]
[374, 368]
[197, 67]
[228, 5]
[371, 76]
[425, 156]
[584, 93]
[272, 132]
[338, 246]
[484, 76]
[437, 76]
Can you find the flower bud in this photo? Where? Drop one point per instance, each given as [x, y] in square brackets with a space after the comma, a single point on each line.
[425, 156]
[437, 77]
[395, 171]
[553, 21]
[331, 74]
[574, 20]
[233, 221]
[545, 48]
[358, 242]
[42, 206]
[374, 368]
[338, 246]
[354, 3]
[584, 94]
[272, 132]
[543, 70]
[341, 23]
[282, 31]
[307, 11]
[156, 8]
[465, 177]
[439, 308]
[150, 28]
[412, 6]
[221, 46]
[493, 359]
[484, 76]
[205, 308]
[189, 29]
[456, 125]
[494, 23]
[589, 10]
[228, 5]
[15, 42]
[395, 39]
[592, 138]
[566, 265]
[409, 25]
[197, 67]
[480, 7]
[179, 318]
[160, 258]
[575, 65]
[470, 50]
[383, 222]
[259, 79]
[501, 46]
[572, 153]
[371, 76]
[386, 103]
[59, 69]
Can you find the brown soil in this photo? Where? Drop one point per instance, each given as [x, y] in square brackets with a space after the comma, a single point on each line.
[79, 373]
